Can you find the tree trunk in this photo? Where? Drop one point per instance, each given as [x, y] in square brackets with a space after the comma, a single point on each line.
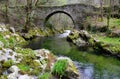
[6, 12]
[109, 15]
[28, 12]
[101, 7]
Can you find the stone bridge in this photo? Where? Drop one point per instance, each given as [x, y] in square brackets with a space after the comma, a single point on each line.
[41, 14]
[77, 13]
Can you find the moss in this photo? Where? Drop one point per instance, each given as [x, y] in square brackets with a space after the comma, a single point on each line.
[8, 63]
[36, 71]
[60, 67]
[3, 77]
[28, 57]
[24, 50]
[26, 69]
[91, 41]
[23, 67]
[2, 39]
[11, 41]
[35, 64]
[45, 76]
[35, 32]
[73, 36]
[109, 43]
[20, 41]
[114, 49]
[28, 54]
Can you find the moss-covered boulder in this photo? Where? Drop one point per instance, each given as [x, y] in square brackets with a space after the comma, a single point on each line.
[64, 67]
[77, 38]
[26, 61]
[34, 32]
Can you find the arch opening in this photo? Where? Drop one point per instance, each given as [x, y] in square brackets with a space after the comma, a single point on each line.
[59, 12]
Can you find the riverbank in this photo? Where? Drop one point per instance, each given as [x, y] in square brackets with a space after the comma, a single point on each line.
[104, 45]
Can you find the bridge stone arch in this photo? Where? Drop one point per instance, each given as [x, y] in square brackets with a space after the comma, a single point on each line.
[55, 12]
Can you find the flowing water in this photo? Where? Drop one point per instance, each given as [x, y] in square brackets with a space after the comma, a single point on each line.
[89, 64]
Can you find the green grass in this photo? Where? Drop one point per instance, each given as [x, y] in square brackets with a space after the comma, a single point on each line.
[108, 40]
[60, 67]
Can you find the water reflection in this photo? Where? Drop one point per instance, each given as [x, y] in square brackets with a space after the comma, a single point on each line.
[86, 70]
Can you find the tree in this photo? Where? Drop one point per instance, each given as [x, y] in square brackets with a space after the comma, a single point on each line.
[101, 9]
[109, 14]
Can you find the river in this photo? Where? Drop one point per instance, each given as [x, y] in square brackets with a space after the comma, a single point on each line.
[89, 64]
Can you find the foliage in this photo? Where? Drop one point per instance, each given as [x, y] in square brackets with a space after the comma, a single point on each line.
[60, 67]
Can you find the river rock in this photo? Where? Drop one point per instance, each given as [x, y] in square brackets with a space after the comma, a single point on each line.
[25, 77]
[14, 69]
[79, 38]
[3, 28]
[79, 42]
[46, 57]
[115, 33]
[12, 29]
[12, 75]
